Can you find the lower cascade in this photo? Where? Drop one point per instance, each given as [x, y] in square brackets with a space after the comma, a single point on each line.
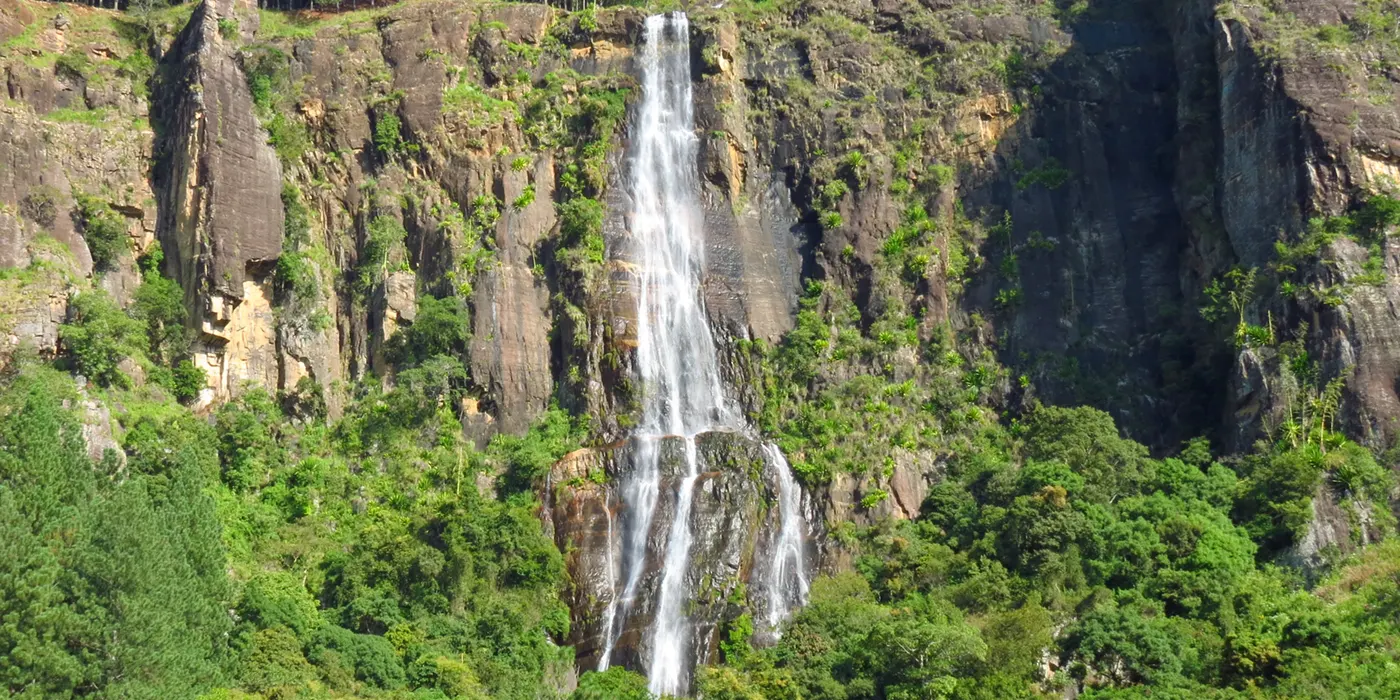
[683, 393]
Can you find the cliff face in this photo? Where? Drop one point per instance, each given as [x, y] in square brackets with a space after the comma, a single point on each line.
[1044, 195]
[221, 213]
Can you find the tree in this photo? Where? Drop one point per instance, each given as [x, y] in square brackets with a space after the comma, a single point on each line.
[616, 683]
[440, 328]
[103, 229]
[122, 589]
[99, 335]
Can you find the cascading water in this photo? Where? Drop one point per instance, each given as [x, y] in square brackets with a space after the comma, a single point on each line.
[676, 360]
[787, 584]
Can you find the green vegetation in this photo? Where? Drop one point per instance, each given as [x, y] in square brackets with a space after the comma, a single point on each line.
[119, 585]
[1049, 174]
[228, 28]
[112, 580]
[152, 334]
[269, 80]
[99, 336]
[264, 549]
[1155, 569]
[388, 136]
[104, 230]
[441, 327]
[381, 253]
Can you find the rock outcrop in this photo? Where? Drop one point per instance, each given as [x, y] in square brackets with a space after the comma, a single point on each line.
[72, 128]
[221, 208]
[733, 522]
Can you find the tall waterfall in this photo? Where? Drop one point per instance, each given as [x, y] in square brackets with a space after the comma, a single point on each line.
[683, 394]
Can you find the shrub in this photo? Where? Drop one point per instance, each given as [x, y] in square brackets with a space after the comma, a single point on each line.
[274, 660]
[103, 230]
[295, 278]
[288, 137]
[372, 657]
[160, 303]
[228, 28]
[581, 226]
[440, 328]
[73, 63]
[248, 448]
[388, 135]
[296, 225]
[99, 335]
[616, 683]
[187, 381]
[41, 206]
[276, 598]
[384, 236]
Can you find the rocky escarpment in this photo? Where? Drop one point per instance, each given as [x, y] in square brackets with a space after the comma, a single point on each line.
[75, 125]
[221, 211]
[479, 185]
[1001, 203]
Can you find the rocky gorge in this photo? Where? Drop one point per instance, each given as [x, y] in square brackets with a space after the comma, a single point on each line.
[916, 219]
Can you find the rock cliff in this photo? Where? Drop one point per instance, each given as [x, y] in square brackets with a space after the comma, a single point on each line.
[1043, 194]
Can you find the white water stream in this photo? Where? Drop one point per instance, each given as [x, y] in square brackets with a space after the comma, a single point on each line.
[682, 391]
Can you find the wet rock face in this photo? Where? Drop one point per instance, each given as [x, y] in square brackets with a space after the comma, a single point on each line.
[733, 520]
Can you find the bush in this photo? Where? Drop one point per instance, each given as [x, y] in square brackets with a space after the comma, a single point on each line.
[99, 335]
[528, 458]
[228, 28]
[440, 328]
[103, 230]
[187, 381]
[248, 448]
[295, 279]
[372, 657]
[41, 206]
[73, 64]
[273, 661]
[160, 304]
[384, 237]
[581, 227]
[277, 598]
[616, 683]
[288, 137]
[388, 135]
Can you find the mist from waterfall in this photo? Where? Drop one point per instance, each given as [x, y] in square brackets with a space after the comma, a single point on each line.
[676, 362]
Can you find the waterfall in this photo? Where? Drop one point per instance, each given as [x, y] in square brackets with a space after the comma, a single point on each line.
[676, 361]
[612, 585]
[787, 584]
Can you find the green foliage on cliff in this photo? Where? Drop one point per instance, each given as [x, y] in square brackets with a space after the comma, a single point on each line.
[99, 335]
[384, 238]
[103, 229]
